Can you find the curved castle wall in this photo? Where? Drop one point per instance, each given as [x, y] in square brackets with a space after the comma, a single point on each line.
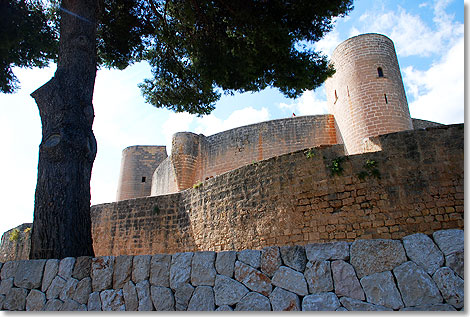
[137, 166]
[196, 158]
[366, 94]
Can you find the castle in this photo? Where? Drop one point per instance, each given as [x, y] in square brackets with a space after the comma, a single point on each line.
[367, 170]
[360, 209]
[366, 98]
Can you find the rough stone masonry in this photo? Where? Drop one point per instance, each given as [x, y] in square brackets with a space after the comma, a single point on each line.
[418, 272]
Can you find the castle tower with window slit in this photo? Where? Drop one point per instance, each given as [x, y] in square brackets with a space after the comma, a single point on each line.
[366, 94]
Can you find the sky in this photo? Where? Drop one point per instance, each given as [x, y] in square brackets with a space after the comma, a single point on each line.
[428, 36]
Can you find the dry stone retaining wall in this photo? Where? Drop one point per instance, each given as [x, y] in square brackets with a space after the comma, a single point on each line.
[418, 272]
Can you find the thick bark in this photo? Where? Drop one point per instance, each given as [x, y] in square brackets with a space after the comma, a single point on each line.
[62, 224]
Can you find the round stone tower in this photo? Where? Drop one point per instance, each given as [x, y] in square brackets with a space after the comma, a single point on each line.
[366, 94]
[137, 166]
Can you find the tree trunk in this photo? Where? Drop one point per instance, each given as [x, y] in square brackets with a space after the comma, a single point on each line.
[62, 224]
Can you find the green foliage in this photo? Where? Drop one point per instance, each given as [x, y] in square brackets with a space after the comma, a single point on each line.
[197, 185]
[310, 153]
[335, 166]
[201, 47]
[27, 230]
[27, 39]
[196, 49]
[370, 170]
[14, 235]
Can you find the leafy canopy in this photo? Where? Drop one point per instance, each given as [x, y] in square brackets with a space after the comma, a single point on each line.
[197, 48]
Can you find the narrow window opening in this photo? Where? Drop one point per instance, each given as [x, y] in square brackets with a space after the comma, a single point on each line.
[336, 97]
[380, 72]
[347, 88]
[385, 96]
[144, 179]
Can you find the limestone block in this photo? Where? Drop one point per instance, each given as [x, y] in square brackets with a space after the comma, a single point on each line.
[341, 309]
[15, 299]
[82, 267]
[29, 273]
[160, 270]
[202, 299]
[228, 291]
[320, 302]
[6, 285]
[94, 302]
[250, 257]
[56, 287]
[53, 305]
[449, 241]
[456, 262]
[253, 302]
[2, 300]
[141, 268]
[416, 287]
[112, 300]
[162, 298]
[290, 280]
[294, 257]
[71, 305]
[327, 251]
[422, 250]
[252, 278]
[451, 286]
[345, 280]
[66, 267]
[436, 307]
[35, 301]
[143, 294]
[224, 308]
[122, 270]
[375, 256]
[9, 269]
[180, 270]
[50, 272]
[82, 290]
[130, 296]
[182, 296]
[225, 262]
[282, 300]
[270, 260]
[353, 304]
[68, 290]
[318, 277]
[102, 273]
[203, 269]
[380, 289]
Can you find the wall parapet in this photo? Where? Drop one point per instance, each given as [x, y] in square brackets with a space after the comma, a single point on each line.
[379, 275]
[413, 184]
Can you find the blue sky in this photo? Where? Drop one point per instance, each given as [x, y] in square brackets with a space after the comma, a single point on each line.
[428, 36]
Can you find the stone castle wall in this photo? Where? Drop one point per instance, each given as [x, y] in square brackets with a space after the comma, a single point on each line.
[195, 158]
[366, 94]
[137, 166]
[419, 272]
[413, 184]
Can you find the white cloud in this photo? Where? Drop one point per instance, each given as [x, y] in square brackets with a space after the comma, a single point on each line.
[328, 43]
[310, 103]
[176, 122]
[438, 92]
[411, 35]
[210, 124]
